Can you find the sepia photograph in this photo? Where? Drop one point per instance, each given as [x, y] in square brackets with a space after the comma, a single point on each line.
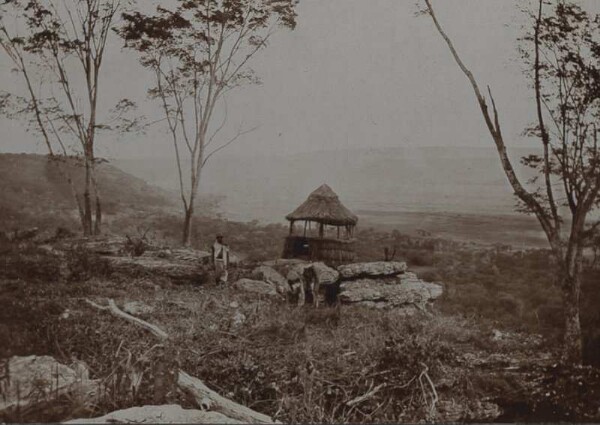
[299, 211]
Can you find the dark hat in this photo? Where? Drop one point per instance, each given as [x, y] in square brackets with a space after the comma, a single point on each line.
[219, 235]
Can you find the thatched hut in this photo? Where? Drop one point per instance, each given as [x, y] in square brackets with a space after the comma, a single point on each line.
[331, 240]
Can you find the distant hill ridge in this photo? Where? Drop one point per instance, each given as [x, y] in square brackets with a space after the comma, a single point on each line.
[268, 185]
[32, 185]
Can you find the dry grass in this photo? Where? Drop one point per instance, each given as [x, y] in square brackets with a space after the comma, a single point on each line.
[325, 365]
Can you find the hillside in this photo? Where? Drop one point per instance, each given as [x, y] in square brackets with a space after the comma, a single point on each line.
[33, 189]
[454, 206]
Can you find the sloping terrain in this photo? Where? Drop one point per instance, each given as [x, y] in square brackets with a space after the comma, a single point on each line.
[348, 363]
[32, 187]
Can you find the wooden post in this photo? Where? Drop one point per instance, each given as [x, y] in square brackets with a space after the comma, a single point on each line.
[305, 223]
[338, 231]
[291, 227]
[321, 230]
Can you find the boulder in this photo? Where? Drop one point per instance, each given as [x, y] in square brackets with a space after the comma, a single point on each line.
[389, 292]
[326, 274]
[269, 274]
[374, 269]
[238, 320]
[166, 414]
[36, 380]
[255, 286]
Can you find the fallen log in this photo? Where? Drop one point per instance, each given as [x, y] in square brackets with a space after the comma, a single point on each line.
[201, 395]
[204, 397]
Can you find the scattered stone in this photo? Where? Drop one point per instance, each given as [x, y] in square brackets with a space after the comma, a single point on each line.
[497, 335]
[37, 380]
[255, 286]
[483, 411]
[234, 304]
[166, 414]
[137, 308]
[238, 319]
[450, 411]
[269, 274]
[374, 269]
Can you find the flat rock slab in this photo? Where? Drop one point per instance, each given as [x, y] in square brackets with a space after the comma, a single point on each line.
[177, 271]
[384, 293]
[36, 380]
[283, 262]
[374, 269]
[178, 254]
[166, 414]
[255, 286]
[101, 246]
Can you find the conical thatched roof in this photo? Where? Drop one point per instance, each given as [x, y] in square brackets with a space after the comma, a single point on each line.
[324, 206]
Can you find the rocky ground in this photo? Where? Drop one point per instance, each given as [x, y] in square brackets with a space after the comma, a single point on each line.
[96, 329]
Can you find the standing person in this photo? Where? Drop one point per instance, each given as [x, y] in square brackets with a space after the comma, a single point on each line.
[220, 258]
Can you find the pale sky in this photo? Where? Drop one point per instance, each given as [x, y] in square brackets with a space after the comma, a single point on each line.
[354, 73]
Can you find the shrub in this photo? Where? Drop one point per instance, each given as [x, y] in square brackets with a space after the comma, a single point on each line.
[420, 258]
[82, 265]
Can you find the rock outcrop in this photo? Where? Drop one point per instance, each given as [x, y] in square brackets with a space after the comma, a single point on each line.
[36, 380]
[182, 265]
[166, 414]
[390, 292]
[374, 269]
[176, 271]
[385, 284]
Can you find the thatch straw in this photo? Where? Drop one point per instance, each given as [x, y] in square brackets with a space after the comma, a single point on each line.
[324, 206]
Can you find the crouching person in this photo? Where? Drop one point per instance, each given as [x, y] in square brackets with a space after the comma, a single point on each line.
[304, 284]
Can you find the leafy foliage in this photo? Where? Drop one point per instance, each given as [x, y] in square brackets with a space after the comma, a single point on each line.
[197, 51]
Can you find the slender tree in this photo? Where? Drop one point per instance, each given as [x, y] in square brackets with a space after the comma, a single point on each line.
[562, 53]
[198, 51]
[58, 48]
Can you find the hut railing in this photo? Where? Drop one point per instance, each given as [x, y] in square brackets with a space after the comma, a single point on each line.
[330, 251]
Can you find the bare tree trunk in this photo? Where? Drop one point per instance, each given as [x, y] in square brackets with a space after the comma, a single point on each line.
[187, 226]
[570, 258]
[98, 218]
[98, 221]
[571, 289]
[87, 201]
